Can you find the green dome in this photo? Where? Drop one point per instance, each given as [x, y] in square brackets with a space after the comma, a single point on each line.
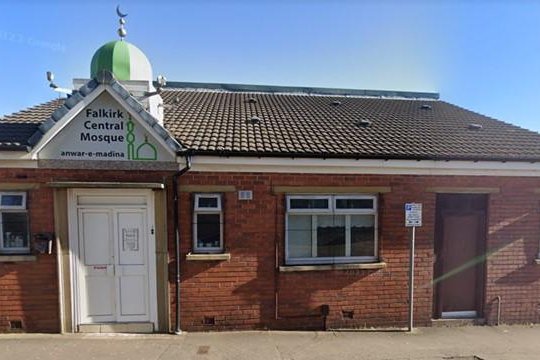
[122, 59]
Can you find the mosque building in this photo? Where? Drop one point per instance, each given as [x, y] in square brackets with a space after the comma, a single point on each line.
[135, 205]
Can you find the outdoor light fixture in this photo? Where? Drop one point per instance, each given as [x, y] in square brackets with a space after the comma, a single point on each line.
[50, 79]
[52, 85]
[161, 83]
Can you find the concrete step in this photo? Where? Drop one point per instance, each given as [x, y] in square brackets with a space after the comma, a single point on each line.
[134, 328]
[457, 322]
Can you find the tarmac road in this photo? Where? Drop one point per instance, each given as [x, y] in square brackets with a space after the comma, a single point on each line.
[460, 343]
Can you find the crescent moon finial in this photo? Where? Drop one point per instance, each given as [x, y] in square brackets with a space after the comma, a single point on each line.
[119, 13]
[121, 31]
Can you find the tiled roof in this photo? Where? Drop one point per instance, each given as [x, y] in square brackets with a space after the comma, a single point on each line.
[17, 128]
[14, 136]
[220, 122]
[266, 123]
[35, 114]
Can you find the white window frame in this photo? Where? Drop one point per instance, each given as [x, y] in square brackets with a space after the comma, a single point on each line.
[13, 209]
[328, 210]
[207, 210]
[340, 212]
[354, 211]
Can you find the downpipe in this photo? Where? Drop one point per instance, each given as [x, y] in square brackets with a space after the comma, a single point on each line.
[176, 222]
[499, 302]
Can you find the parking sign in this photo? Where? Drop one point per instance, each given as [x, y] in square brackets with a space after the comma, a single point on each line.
[413, 214]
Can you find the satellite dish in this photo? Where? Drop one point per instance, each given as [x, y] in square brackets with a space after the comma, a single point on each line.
[119, 13]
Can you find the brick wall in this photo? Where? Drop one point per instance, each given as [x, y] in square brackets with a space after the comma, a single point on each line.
[513, 237]
[247, 292]
[29, 290]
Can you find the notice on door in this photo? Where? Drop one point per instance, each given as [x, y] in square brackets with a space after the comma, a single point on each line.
[130, 239]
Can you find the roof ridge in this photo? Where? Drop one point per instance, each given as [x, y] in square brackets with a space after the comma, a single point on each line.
[299, 90]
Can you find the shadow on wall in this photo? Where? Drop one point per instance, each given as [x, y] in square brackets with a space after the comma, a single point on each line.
[516, 252]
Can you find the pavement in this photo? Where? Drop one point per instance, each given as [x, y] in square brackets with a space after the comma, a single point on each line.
[460, 343]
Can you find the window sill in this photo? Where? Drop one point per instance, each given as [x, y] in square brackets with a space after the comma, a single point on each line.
[366, 266]
[537, 261]
[17, 258]
[208, 257]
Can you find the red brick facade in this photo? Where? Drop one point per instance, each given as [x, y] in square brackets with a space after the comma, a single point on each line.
[29, 289]
[249, 292]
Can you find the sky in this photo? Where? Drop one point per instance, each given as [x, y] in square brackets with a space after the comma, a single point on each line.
[480, 55]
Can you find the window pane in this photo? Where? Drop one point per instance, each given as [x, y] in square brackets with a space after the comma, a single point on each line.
[12, 200]
[362, 235]
[354, 203]
[15, 228]
[330, 235]
[308, 203]
[208, 231]
[208, 202]
[299, 236]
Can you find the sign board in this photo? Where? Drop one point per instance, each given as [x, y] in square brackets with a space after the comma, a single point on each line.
[413, 214]
[105, 130]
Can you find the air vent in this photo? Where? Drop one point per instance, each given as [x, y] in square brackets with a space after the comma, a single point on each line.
[425, 107]
[252, 100]
[336, 103]
[209, 320]
[254, 120]
[363, 123]
[245, 195]
[15, 325]
[347, 314]
[475, 127]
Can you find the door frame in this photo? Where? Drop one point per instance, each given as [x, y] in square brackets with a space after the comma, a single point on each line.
[481, 247]
[75, 264]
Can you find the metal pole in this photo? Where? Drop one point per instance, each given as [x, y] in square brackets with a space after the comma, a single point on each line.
[411, 280]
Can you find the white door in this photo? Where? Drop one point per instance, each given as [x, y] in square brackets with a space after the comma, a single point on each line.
[114, 282]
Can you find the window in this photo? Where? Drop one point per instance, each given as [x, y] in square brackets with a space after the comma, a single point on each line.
[14, 236]
[331, 229]
[207, 223]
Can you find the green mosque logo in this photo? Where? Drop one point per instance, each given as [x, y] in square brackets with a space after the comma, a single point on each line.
[145, 151]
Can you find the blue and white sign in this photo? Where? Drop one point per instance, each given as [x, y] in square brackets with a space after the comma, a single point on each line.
[413, 214]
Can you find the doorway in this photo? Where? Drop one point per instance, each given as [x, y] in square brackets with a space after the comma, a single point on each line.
[459, 268]
[113, 257]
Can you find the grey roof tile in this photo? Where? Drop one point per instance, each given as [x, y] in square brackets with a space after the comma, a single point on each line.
[13, 136]
[303, 125]
[218, 122]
